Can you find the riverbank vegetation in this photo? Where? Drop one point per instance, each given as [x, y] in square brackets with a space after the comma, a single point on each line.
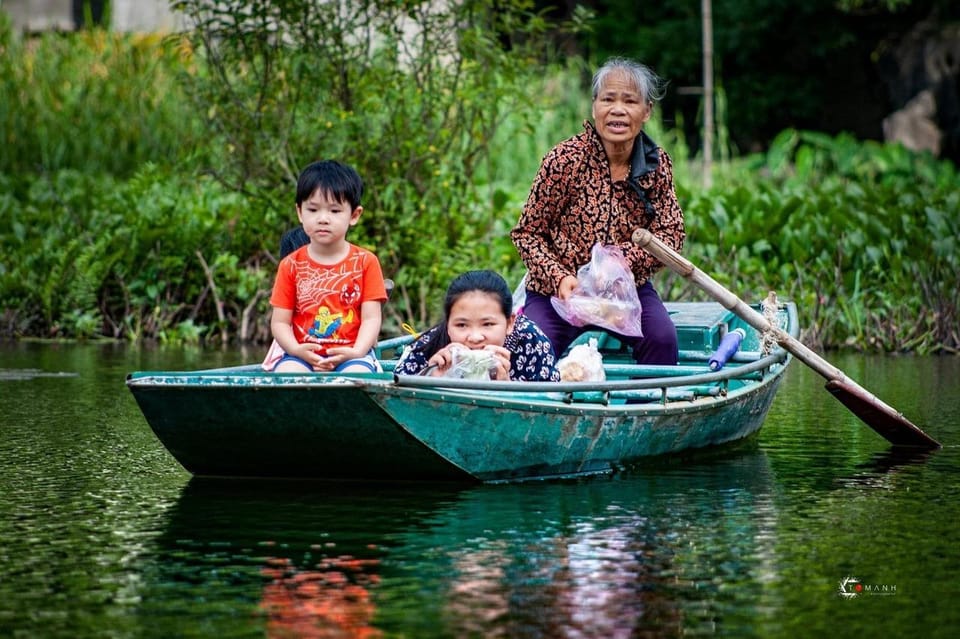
[145, 182]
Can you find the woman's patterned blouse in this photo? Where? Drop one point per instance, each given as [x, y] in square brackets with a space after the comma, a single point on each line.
[573, 204]
[531, 354]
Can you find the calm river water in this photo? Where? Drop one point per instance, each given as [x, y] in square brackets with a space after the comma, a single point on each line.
[103, 534]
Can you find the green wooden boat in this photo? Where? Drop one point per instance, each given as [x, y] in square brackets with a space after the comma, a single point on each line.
[243, 422]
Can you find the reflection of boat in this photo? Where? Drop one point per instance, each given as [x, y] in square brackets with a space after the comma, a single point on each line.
[617, 556]
[303, 558]
[243, 422]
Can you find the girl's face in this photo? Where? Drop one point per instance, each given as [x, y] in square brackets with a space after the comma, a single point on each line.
[619, 111]
[476, 320]
[325, 219]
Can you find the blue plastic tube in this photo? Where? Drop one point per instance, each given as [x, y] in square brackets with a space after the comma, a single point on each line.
[728, 346]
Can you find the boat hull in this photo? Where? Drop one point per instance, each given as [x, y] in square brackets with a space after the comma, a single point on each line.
[288, 430]
[243, 422]
[497, 440]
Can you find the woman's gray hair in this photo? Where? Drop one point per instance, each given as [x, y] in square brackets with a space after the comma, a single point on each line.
[648, 83]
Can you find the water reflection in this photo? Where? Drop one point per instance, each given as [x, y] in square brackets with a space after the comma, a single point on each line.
[591, 582]
[331, 601]
[895, 459]
[611, 558]
[308, 556]
[104, 534]
[881, 470]
[614, 558]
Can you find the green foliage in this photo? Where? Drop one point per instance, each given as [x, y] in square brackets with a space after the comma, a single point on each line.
[870, 5]
[124, 259]
[780, 63]
[410, 93]
[859, 234]
[91, 101]
[101, 241]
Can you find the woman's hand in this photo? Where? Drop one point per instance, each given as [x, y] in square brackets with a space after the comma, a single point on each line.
[567, 286]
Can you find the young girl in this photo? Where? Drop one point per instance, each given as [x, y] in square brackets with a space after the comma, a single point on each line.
[478, 315]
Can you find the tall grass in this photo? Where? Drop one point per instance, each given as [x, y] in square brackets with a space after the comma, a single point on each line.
[93, 101]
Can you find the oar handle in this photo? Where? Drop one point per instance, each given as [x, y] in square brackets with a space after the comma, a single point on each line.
[677, 263]
[884, 419]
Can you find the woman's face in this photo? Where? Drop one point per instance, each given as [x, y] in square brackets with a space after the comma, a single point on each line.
[619, 111]
[476, 320]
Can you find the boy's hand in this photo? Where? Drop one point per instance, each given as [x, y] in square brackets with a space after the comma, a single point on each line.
[308, 353]
[337, 355]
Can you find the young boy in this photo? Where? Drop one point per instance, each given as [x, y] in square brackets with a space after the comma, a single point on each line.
[328, 294]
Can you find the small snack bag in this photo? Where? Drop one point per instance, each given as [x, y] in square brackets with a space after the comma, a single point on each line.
[471, 364]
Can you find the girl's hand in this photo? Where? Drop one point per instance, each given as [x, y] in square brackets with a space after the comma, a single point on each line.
[442, 360]
[503, 361]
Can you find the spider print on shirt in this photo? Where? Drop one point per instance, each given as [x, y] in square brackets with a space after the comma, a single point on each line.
[316, 284]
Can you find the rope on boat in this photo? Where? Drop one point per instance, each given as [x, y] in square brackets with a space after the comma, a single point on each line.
[769, 307]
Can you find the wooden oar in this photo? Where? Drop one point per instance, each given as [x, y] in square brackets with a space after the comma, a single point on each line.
[889, 423]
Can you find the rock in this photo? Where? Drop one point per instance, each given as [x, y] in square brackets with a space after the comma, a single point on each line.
[914, 125]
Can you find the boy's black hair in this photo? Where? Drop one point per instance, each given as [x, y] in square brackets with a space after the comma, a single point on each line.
[485, 281]
[335, 179]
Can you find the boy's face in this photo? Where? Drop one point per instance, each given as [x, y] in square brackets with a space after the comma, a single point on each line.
[326, 219]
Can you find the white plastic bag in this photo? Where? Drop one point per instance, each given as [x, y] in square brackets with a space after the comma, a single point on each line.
[606, 294]
[471, 364]
[583, 363]
[520, 295]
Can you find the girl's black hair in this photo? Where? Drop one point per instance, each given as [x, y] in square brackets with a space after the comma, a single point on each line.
[485, 281]
[335, 179]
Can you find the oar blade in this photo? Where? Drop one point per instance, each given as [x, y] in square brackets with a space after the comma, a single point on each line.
[892, 426]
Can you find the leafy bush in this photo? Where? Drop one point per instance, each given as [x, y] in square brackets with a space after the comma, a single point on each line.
[862, 235]
[411, 94]
[113, 231]
[134, 258]
[92, 101]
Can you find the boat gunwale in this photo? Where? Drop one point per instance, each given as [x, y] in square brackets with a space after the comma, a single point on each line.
[273, 380]
[727, 373]
[252, 376]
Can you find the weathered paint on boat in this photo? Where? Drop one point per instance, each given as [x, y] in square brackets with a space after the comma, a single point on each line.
[497, 439]
[244, 422]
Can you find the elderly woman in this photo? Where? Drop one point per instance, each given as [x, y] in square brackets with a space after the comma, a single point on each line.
[599, 186]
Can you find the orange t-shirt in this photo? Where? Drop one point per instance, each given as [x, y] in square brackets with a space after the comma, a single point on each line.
[326, 298]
